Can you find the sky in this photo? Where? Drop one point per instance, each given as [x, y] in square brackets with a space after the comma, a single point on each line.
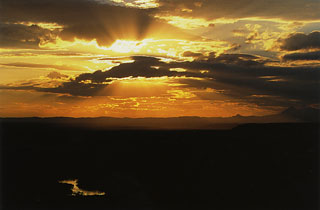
[158, 58]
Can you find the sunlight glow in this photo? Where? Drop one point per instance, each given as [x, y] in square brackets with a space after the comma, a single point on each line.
[178, 69]
[186, 23]
[143, 4]
[172, 48]
[125, 46]
[156, 58]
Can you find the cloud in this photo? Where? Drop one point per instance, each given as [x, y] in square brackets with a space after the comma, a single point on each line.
[56, 75]
[195, 55]
[254, 35]
[237, 76]
[192, 54]
[94, 84]
[71, 88]
[135, 3]
[86, 20]
[141, 67]
[238, 59]
[242, 77]
[300, 41]
[36, 65]
[235, 47]
[22, 36]
[302, 56]
[214, 9]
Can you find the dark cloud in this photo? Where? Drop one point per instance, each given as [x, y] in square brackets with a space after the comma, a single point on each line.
[94, 84]
[81, 19]
[300, 41]
[141, 67]
[235, 47]
[84, 19]
[238, 59]
[235, 59]
[302, 56]
[213, 9]
[242, 76]
[290, 84]
[239, 76]
[71, 87]
[193, 55]
[22, 36]
[76, 88]
[56, 75]
[268, 81]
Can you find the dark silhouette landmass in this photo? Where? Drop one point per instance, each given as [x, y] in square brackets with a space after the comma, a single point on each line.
[251, 166]
[290, 115]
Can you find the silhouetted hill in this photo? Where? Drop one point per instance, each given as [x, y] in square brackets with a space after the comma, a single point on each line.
[181, 123]
[252, 166]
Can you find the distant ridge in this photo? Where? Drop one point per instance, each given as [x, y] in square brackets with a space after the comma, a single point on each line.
[307, 114]
[290, 115]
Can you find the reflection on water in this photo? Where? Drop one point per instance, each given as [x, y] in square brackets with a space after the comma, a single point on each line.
[77, 191]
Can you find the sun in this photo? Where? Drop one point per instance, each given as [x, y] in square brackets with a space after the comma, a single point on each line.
[126, 46]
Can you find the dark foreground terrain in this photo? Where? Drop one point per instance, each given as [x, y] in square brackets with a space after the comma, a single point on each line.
[253, 166]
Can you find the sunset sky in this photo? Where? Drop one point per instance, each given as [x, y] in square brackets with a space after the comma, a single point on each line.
[158, 58]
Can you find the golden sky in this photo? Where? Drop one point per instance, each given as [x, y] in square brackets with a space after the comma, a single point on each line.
[158, 58]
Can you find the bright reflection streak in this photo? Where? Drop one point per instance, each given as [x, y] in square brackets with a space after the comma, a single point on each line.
[77, 191]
